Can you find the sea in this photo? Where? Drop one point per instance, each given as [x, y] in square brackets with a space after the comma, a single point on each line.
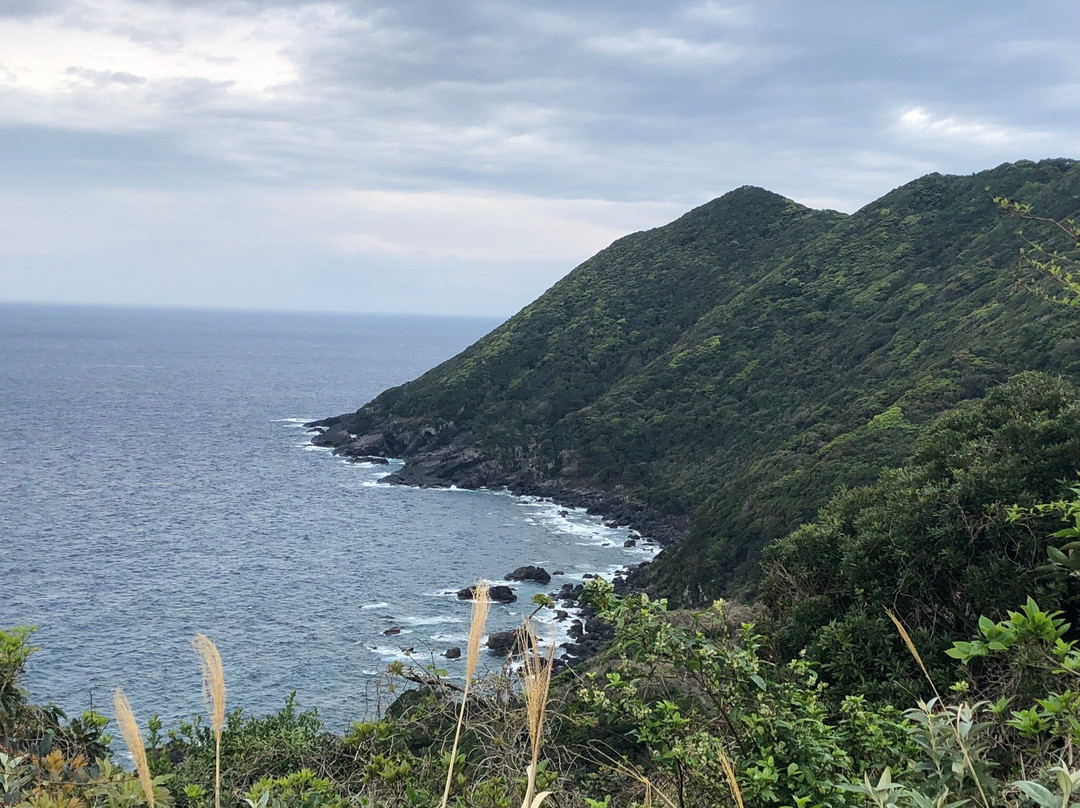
[157, 480]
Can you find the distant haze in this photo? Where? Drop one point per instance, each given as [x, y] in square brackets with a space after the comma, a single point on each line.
[436, 157]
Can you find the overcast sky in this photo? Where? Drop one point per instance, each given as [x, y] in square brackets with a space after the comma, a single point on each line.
[459, 156]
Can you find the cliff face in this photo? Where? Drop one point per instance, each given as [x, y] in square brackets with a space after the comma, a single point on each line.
[716, 379]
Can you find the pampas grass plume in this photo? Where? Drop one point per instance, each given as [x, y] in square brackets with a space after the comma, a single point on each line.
[480, 606]
[129, 729]
[536, 682]
[214, 695]
[213, 681]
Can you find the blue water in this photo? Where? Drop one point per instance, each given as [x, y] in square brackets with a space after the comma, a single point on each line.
[156, 481]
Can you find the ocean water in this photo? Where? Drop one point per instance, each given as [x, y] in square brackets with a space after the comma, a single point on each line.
[156, 481]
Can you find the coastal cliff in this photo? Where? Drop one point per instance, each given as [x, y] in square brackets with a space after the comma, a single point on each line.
[714, 381]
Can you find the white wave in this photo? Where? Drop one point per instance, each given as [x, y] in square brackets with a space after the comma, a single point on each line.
[390, 653]
[444, 637]
[432, 621]
[382, 604]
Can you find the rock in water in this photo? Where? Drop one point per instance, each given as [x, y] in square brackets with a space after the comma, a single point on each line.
[505, 642]
[453, 653]
[498, 594]
[530, 573]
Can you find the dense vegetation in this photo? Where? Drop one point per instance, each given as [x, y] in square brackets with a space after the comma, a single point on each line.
[742, 364]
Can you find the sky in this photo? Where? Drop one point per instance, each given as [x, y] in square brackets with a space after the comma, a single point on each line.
[459, 156]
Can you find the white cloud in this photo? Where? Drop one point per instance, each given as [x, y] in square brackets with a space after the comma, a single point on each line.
[661, 49]
[158, 43]
[962, 132]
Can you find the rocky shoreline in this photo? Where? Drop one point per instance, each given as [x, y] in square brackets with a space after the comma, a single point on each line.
[433, 466]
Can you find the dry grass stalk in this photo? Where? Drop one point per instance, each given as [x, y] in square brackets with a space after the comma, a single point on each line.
[214, 696]
[481, 604]
[911, 647]
[956, 729]
[620, 767]
[536, 681]
[129, 729]
[729, 770]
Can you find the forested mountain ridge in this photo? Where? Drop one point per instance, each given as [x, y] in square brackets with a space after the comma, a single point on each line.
[729, 372]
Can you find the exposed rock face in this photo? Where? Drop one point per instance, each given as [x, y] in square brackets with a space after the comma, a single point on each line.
[453, 653]
[498, 594]
[437, 458]
[464, 468]
[530, 573]
[505, 642]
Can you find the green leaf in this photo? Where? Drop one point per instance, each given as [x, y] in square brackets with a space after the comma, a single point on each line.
[1041, 794]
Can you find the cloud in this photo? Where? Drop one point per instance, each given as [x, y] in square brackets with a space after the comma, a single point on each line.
[960, 132]
[486, 136]
[658, 50]
[396, 251]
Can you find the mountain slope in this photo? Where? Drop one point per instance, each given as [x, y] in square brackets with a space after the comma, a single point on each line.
[720, 377]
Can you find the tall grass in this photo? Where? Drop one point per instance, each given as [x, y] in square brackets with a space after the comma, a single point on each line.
[214, 697]
[536, 672]
[956, 729]
[481, 604]
[129, 729]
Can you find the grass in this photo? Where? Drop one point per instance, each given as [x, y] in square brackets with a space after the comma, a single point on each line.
[214, 696]
[129, 729]
[481, 604]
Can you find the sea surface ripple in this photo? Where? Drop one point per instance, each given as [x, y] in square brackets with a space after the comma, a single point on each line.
[156, 481]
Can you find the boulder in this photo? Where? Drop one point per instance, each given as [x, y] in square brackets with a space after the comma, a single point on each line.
[393, 630]
[453, 653]
[505, 642]
[498, 594]
[335, 436]
[529, 573]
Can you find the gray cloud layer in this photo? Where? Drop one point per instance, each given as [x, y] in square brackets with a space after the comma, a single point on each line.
[436, 156]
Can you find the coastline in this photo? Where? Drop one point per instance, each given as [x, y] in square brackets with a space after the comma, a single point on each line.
[581, 635]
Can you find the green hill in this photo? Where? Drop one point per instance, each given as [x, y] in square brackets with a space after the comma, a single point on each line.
[719, 378]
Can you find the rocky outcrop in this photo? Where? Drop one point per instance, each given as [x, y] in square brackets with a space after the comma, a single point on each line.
[434, 459]
[530, 573]
[504, 642]
[497, 593]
